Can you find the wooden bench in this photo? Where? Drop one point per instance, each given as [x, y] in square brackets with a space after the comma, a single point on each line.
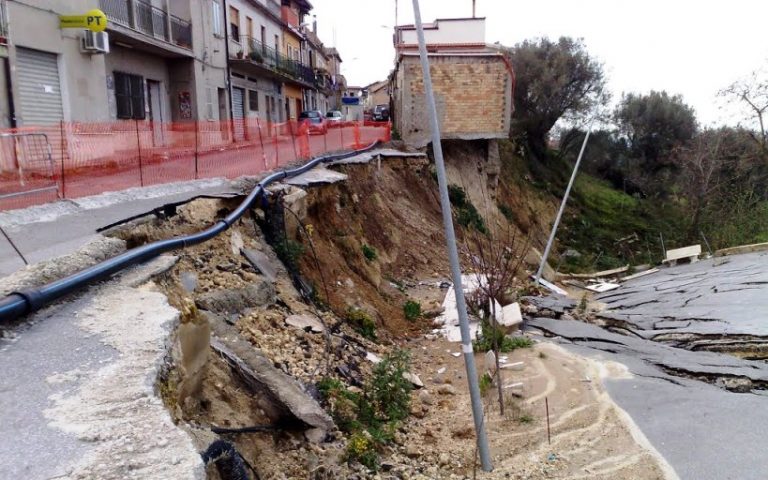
[691, 253]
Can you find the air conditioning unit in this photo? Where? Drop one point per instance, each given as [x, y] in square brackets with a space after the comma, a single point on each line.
[95, 42]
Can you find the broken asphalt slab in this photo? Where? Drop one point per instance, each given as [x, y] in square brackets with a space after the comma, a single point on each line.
[78, 399]
[680, 399]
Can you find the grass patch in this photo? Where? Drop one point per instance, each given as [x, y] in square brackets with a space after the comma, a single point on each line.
[489, 336]
[369, 253]
[411, 310]
[362, 322]
[372, 416]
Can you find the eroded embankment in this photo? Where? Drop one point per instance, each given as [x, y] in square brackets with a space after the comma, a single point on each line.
[300, 294]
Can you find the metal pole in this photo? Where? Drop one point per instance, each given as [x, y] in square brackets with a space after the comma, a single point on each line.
[706, 243]
[453, 254]
[562, 209]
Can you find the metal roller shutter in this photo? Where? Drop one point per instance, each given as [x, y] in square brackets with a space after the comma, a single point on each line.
[39, 87]
[238, 112]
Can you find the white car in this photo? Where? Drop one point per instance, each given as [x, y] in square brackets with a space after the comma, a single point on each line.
[334, 118]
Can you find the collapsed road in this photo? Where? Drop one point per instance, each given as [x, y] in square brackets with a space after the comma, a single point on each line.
[694, 339]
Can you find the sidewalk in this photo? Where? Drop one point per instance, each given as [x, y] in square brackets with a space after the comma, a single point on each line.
[46, 231]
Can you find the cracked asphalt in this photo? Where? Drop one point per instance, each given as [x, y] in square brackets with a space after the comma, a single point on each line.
[679, 397]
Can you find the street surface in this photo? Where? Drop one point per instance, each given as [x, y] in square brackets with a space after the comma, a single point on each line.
[680, 398]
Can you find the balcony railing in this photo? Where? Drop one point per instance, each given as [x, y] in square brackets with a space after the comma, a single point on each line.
[149, 20]
[257, 52]
[3, 23]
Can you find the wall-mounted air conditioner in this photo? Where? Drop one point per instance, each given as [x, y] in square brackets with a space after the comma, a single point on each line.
[95, 42]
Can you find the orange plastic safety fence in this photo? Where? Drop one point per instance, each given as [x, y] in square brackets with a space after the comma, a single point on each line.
[92, 158]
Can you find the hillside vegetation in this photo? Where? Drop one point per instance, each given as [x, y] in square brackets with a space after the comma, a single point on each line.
[651, 172]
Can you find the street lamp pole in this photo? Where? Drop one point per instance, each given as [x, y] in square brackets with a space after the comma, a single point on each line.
[453, 253]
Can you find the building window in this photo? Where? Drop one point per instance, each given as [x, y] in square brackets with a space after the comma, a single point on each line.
[129, 93]
[216, 18]
[234, 23]
[253, 100]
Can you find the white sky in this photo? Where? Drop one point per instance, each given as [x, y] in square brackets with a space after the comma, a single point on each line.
[689, 47]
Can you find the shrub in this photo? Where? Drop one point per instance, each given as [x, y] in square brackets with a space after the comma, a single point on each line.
[486, 382]
[373, 415]
[362, 322]
[507, 212]
[369, 253]
[466, 214]
[361, 448]
[490, 336]
[412, 310]
[289, 252]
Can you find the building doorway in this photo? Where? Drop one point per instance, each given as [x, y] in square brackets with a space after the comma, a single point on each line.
[155, 111]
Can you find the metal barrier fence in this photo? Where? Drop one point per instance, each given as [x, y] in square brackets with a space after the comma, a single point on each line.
[72, 159]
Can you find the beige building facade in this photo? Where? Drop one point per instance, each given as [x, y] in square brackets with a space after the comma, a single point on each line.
[473, 83]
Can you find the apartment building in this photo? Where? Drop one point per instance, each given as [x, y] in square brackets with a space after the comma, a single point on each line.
[472, 81]
[160, 60]
[254, 46]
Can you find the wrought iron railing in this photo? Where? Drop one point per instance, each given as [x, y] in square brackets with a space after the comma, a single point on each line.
[3, 23]
[262, 54]
[149, 20]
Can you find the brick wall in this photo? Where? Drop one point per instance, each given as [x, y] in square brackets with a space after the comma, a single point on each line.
[472, 96]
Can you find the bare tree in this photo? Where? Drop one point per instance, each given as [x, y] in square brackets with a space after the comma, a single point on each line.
[702, 162]
[752, 93]
[495, 257]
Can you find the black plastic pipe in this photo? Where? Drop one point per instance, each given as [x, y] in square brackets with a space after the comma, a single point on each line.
[26, 301]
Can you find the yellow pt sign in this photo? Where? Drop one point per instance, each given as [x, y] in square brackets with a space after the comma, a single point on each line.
[94, 20]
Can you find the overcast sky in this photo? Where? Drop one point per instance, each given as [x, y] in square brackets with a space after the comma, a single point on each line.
[689, 47]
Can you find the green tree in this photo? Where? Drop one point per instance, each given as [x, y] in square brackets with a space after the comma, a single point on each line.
[555, 80]
[654, 125]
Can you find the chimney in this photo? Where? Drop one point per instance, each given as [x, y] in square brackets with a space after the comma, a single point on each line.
[314, 24]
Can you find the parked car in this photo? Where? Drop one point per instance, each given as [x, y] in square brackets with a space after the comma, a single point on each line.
[381, 113]
[334, 118]
[315, 121]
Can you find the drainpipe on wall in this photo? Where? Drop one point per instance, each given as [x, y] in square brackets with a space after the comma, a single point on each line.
[224, 16]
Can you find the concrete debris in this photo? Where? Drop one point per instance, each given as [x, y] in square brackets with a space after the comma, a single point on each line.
[555, 303]
[511, 316]
[316, 176]
[414, 379]
[372, 357]
[490, 362]
[514, 386]
[602, 287]
[261, 262]
[517, 366]
[456, 354]
[308, 323]
[284, 397]
[551, 286]
[238, 300]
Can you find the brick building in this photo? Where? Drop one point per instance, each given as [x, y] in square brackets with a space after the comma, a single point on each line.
[472, 81]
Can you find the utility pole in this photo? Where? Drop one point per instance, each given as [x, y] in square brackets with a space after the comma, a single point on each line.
[473, 8]
[562, 208]
[453, 254]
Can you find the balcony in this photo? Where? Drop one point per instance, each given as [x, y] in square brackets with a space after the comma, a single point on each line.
[290, 16]
[150, 21]
[3, 23]
[266, 59]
